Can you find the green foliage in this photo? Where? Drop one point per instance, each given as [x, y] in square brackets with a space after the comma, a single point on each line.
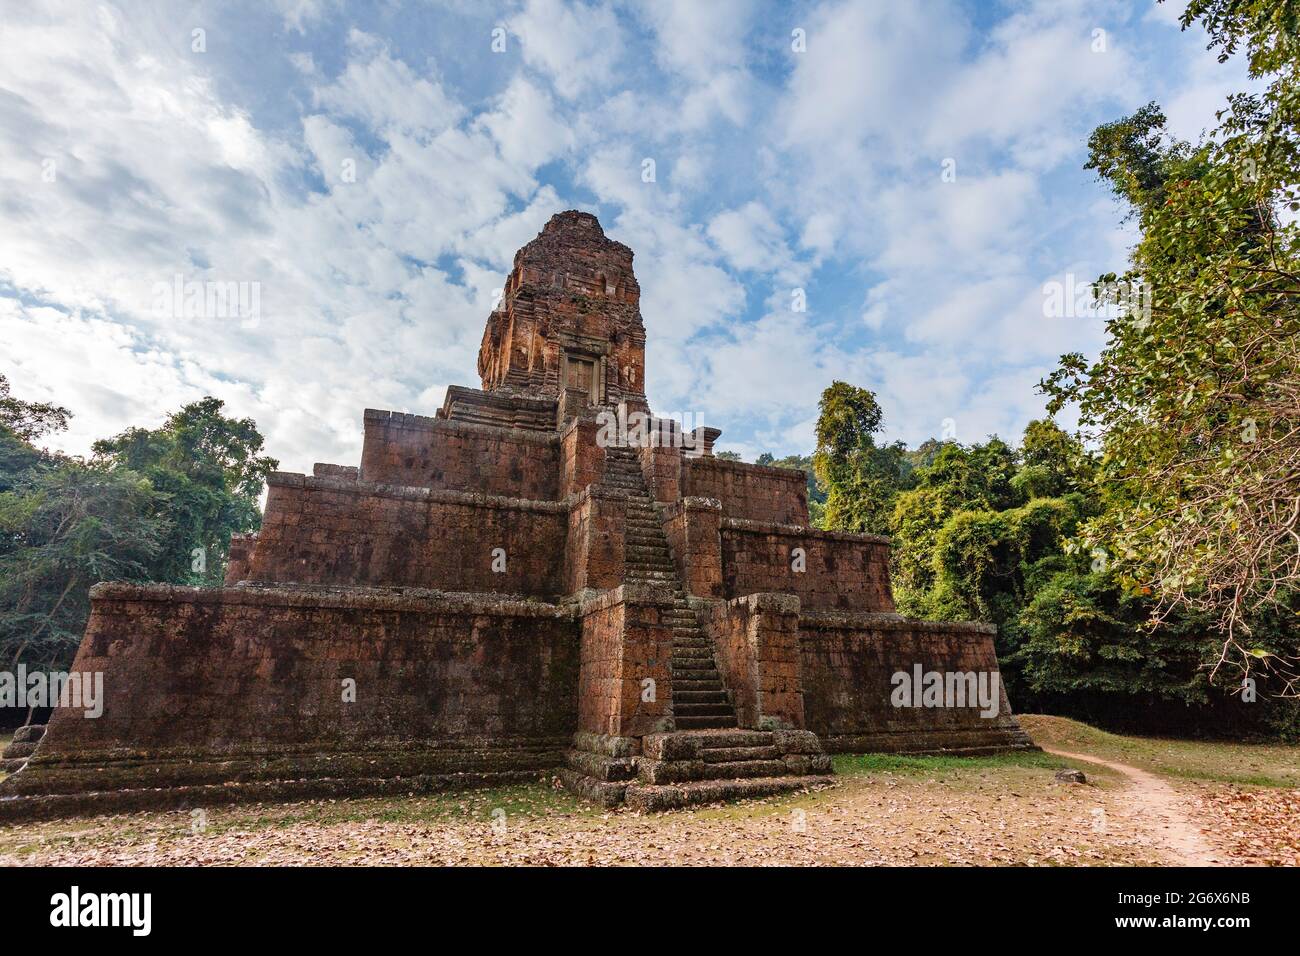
[209, 471]
[1082, 637]
[135, 512]
[70, 526]
[1195, 401]
[29, 420]
[860, 478]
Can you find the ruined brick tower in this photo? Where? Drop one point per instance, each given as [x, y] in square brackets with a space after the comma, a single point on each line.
[501, 592]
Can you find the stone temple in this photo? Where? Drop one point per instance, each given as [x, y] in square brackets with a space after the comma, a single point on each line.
[511, 590]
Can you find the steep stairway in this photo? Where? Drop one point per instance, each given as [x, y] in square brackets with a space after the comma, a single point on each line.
[699, 702]
[708, 757]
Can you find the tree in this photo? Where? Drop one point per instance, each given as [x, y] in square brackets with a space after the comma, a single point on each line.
[1195, 400]
[860, 477]
[30, 420]
[71, 526]
[135, 512]
[210, 471]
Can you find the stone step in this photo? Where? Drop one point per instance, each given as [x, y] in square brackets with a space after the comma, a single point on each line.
[684, 655]
[732, 754]
[676, 663]
[703, 710]
[704, 723]
[704, 671]
[695, 645]
[656, 745]
[29, 733]
[648, 551]
[20, 749]
[651, 798]
[685, 771]
[699, 697]
[707, 683]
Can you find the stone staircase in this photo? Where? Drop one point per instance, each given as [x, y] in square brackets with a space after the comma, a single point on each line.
[704, 766]
[699, 702]
[707, 757]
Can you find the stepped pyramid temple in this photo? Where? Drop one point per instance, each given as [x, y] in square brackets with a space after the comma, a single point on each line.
[540, 581]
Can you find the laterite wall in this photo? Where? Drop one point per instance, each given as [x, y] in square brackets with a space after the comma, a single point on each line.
[426, 452]
[332, 531]
[841, 571]
[204, 687]
[847, 665]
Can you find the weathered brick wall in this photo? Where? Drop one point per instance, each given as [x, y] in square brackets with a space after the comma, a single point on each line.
[237, 560]
[459, 456]
[327, 531]
[625, 641]
[662, 470]
[595, 554]
[203, 686]
[325, 470]
[692, 527]
[750, 492]
[582, 459]
[844, 571]
[756, 644]
[848, 661]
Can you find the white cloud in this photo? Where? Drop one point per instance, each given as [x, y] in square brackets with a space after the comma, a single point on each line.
[383, 92]
[575, 44]
[774, 169]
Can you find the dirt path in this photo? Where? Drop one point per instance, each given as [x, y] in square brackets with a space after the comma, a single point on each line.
[1164, 811]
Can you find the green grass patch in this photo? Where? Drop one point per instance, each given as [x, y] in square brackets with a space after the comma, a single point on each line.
[1264, 765]
[922, 764]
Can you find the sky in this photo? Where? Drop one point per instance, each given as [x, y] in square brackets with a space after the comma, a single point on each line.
[910, 172]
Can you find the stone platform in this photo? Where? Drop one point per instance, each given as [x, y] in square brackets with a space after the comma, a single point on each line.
[501, 592]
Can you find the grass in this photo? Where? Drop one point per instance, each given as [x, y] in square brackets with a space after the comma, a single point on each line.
[922, 764]
[1262, 765]
[1019, 767]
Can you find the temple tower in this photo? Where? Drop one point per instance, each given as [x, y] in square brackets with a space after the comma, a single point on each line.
[568, 327]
